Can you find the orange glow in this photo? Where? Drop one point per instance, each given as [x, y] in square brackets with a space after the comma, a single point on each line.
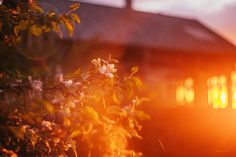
[233, 88]
[185, 93]
[217, 92]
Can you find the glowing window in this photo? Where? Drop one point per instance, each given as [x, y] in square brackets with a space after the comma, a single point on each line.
[233, 88]
[185, 92]
[217, 92]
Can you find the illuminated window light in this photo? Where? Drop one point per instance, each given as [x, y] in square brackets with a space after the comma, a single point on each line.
[233, 89]
[217, 92]
[185, 92]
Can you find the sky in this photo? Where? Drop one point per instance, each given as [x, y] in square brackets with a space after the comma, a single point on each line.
[219, 15]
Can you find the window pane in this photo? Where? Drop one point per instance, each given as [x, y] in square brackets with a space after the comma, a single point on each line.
[185, 92]
[233, 79]
[217, 92]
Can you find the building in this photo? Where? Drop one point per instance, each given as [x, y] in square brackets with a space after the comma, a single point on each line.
[182, 61]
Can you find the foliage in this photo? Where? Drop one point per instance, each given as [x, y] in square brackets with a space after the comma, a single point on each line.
[29, 16]
[24, 20]
[93, 113]
[79, 114]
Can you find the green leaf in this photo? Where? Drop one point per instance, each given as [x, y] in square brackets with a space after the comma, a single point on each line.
[75, 17]
[74, 6]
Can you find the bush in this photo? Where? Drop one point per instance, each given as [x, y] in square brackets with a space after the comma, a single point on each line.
[92, 113]
[80, 114]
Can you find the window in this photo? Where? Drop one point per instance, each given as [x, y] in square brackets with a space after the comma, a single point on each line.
[185, 92]
[233, 89]
[217, 92]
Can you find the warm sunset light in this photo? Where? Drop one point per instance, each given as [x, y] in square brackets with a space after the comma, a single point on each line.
[217, 92]
[185, 92]
[117, 78]
[233, 81]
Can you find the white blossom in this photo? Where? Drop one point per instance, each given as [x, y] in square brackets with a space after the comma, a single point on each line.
[97, 62]
[37, 85]
[85, 76]
[68, 83]
[19, 81]
[47, 124]
[29, 78]
[108, 70]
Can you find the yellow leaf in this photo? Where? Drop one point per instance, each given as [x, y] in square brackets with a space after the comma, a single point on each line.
[67, 122]
[36, 8]
[16, 30]
[90, 114]
[56, 29]
[51, 14]
[36, 30]
[134, 70]
[75, 17]
[68, 24]
[49, 107]
[117, 111]
[74, 6]
[70, 28]
[75, 133]
[137, 82]
[18, 132]
[117, 96]
[142, 115]
[24, 24]
[129, 92]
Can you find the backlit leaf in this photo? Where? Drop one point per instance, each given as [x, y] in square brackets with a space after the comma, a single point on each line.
[117, 96]
[134, 70]
[75, 17]
[36, 8]
[36, 30]
[74, 6]
[137, 82]
[49, 107]
[75, 133]
[90, 113]
[19, 132]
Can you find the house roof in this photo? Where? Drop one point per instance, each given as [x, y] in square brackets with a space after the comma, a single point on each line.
[129, 27]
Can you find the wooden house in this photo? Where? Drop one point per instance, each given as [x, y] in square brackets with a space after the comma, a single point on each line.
[183, 62]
